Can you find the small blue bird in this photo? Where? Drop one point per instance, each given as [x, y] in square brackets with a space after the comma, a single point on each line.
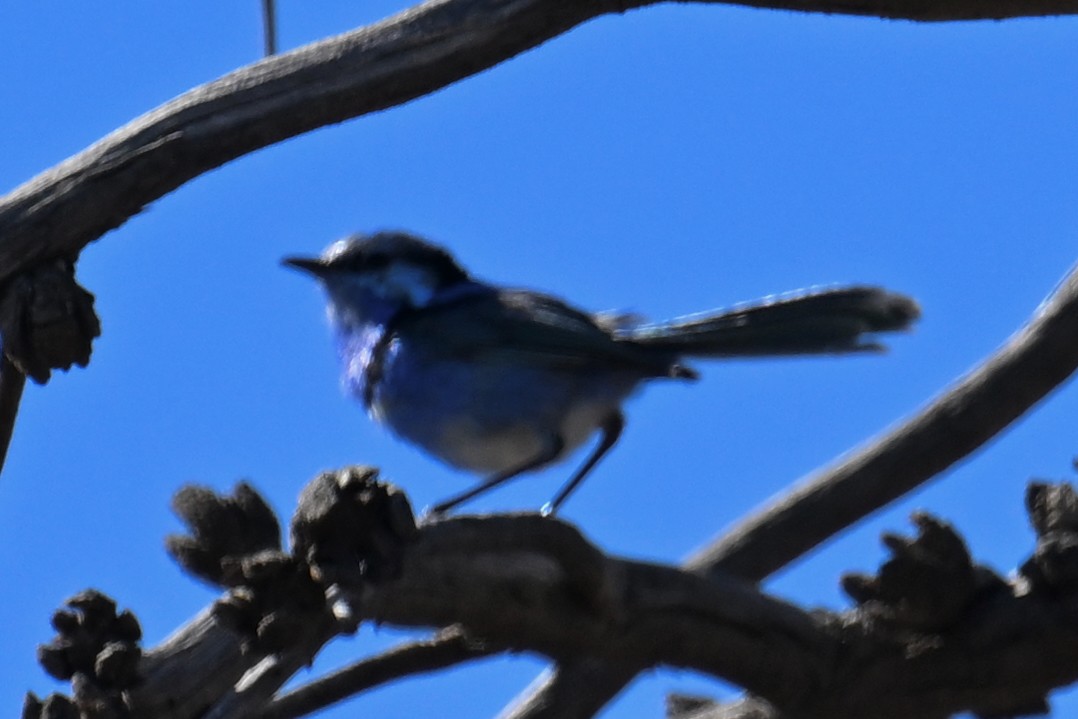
[503, 381]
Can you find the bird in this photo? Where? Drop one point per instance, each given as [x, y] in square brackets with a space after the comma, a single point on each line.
[502, 382]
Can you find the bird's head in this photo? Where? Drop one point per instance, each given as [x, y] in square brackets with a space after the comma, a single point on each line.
[371, 277]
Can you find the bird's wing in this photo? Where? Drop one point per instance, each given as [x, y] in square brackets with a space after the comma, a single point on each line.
[511, 326]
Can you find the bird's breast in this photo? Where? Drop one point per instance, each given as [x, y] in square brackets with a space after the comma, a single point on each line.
[489, 416]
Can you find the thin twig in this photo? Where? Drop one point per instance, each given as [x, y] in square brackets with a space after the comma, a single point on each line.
[12, 382]
[444, 650]
[269, 27]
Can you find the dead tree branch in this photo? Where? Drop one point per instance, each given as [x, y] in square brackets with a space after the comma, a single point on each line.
[373, 68]
[933, 11]
[448, 648]
[12, 382]
[933, 633]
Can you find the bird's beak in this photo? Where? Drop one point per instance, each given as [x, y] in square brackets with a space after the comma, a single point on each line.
[314, 266]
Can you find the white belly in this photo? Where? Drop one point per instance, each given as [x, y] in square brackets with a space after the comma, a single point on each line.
[468, 445]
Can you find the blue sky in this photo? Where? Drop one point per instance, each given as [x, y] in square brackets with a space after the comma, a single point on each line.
[664, 161]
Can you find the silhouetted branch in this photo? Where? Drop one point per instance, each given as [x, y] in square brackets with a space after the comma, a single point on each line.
[959, 621]
[514, 581]
[1036, 360]
[385, 64]
[932, 634]
[522, 582]
[47, 322]
[929, 11]
[448, 648]
[12, 382]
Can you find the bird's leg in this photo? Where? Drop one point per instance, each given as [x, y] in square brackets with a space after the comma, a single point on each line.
[549, 454]
[611, 429]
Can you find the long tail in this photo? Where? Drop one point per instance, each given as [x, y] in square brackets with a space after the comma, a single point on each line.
[819, 321]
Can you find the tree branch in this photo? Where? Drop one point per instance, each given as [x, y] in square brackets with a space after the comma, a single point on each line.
[447, 649]
[12, 382]
[406, 56]
[515, 582]
[624, 611]
[389, 63]
[189, 670]
[1035, 361]
[933, 633]
[930, 11]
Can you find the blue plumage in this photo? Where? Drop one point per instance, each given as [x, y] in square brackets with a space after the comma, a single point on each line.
[502, 382]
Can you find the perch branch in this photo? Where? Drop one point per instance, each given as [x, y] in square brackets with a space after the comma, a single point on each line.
[529, 568]
[933, 633]
[930, 613]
